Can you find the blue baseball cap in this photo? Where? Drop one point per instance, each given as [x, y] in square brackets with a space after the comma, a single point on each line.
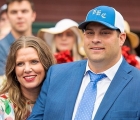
[105, 15]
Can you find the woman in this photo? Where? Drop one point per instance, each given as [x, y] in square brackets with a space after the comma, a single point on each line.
[27, 64]
[65, 40]
[128, 49]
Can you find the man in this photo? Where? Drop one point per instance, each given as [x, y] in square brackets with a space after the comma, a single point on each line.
[21, 15]
[5, 26]
[115, 97]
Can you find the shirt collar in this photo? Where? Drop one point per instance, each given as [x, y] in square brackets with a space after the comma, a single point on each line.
[110, 73]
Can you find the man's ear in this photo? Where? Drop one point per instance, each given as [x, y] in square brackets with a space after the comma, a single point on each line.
[33, 16]
[122, 38]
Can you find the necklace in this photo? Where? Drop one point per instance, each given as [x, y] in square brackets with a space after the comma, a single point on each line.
[31, 102]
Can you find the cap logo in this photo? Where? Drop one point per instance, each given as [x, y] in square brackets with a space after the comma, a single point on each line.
[105, 15]
[99, 13]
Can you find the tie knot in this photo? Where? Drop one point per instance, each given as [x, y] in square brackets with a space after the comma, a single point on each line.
[95, 77]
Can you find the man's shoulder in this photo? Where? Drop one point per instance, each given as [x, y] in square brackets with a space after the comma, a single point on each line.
[135, 71]
[8, 38]
[70, 65]
[6, 42]
[131, 70]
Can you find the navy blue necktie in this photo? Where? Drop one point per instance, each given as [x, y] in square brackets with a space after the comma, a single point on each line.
[86, 106]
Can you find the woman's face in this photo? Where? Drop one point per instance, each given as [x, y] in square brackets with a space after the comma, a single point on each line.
[65, 40]
[29, 70]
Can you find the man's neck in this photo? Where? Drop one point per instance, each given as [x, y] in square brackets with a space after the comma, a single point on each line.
[19, 34]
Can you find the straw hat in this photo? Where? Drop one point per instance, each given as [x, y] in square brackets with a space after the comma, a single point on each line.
[134, 39]
[48, 33]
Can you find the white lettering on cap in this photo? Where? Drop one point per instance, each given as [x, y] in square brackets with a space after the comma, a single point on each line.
[99, 13]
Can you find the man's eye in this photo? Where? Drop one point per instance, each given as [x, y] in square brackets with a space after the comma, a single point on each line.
[25, 11]
[89, 33]
[105, 32]
[13, 12]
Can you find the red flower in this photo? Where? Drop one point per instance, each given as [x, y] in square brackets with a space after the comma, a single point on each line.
[130, 58]
[63, 57]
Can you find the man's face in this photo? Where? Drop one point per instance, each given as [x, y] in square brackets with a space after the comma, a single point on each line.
[102, 45]
[21, 16]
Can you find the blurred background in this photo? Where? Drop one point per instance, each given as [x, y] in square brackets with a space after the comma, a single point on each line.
[51, 11]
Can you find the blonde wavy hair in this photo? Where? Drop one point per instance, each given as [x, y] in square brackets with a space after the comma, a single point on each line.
[12, 86]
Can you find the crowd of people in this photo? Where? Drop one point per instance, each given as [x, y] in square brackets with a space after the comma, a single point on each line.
[86, 71]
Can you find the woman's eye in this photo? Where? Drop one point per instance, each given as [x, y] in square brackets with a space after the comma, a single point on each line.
[19, 64]
[59, 35]
[34, 61]
[69, 34]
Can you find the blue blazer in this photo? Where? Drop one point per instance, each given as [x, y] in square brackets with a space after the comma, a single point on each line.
[60, 89]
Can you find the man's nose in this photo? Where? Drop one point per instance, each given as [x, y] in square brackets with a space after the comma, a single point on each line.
[19, 14]
[95, 39]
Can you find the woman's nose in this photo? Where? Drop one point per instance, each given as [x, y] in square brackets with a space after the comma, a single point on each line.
[27, 69]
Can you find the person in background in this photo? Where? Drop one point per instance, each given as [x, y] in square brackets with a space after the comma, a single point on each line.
[65, 40]
[103, 87]
[21, 15]
[5, 26]
[128, 48]
[27, 64]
